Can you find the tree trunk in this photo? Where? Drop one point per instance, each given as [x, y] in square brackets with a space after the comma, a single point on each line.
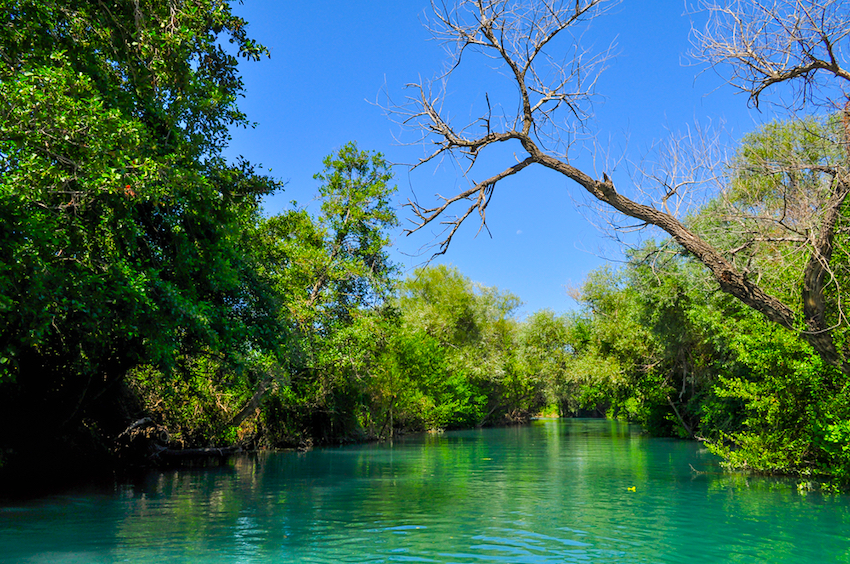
[253, 404]
[730, 279]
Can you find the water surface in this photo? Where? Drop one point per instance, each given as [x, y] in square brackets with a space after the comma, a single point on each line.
[552, 492]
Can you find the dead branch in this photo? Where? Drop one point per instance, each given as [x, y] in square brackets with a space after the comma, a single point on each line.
[788, 42]
[794, 42]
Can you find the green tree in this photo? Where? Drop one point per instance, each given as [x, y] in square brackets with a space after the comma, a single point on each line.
[336, 263]
[687, 319]
[475, 325]
[682, 359]
[123, 227]
[330, 271]
[565, 353]
[613, 352]
[408, 384]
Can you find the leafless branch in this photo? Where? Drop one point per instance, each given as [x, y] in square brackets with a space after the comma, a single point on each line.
[794, 42]
[479, 194]
[731, 214]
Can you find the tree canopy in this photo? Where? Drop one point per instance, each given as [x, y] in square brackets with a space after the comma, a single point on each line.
[123, 226]
[141, 287]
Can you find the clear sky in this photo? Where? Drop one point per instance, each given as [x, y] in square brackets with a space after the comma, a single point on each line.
[335, 61]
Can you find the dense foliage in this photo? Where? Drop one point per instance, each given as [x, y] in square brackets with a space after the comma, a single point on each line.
[693, 362]
[124, 231]
[140, 282]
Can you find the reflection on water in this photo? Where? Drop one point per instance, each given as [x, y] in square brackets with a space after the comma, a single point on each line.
[552, 492]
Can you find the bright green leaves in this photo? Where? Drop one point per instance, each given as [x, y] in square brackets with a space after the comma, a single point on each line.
[60, 145]
[124, 232]
[330, 273]
[356, 216]
[791, 408]
[330, 266]
[475, 327]
[160, 61]
[781, 161]
[355, 193]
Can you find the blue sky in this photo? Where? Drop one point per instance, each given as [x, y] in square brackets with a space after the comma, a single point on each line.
[334, 62]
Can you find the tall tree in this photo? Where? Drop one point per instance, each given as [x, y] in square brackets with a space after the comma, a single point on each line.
[340, 257]
[123, 227]
[765, 45]
[330, 271]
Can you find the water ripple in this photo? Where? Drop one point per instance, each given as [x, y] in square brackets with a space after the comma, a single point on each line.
[553, 492]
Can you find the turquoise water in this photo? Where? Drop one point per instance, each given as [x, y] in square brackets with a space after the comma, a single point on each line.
[551, 492]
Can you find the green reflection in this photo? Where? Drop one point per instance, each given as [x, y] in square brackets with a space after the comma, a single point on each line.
[553, 491]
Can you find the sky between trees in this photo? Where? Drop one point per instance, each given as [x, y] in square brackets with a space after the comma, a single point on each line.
[334, 64]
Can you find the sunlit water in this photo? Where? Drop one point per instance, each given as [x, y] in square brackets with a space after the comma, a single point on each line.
[551, 492]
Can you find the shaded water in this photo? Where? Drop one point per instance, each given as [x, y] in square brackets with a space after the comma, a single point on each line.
[551, 492]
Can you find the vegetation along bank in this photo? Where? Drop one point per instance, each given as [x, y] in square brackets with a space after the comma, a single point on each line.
[150, 311]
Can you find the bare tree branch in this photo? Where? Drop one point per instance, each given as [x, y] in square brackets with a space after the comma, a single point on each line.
[482, 191]
[794, 208]
[762, 44]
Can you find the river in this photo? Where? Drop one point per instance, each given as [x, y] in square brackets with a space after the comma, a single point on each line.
[555, 491]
